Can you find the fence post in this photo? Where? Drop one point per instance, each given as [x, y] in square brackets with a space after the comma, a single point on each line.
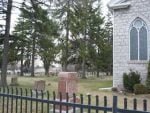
[105, 103]
[115, 101]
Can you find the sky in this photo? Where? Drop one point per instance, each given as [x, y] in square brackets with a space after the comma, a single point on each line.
[104, 6]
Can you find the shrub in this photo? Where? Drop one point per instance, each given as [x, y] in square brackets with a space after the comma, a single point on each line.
[140, 89]
[114, 89]
[148, 77]
[129, 80]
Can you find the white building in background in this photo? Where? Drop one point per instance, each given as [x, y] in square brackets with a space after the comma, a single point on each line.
[131, 42]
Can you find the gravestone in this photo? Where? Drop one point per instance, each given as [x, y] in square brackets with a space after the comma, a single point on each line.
[67, 84]
[39, 86]
[14, 81]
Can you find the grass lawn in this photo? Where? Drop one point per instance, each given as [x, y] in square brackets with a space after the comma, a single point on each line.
[84, 85]
[88, 86]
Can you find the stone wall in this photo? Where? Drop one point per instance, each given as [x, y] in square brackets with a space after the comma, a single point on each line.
[122, 21]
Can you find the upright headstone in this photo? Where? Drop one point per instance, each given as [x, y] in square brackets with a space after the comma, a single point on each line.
[14, 81]
[39, 86]
[67, 84]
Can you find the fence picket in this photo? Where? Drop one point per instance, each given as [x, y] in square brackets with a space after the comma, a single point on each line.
[115, 100]
[42, 96]
[81, 108]
[31, 94]
[74, 101]
[67, 100]
[60, 99]
[89, 103]
[26, 105]
[7, 108]
[145, 105]
[3, 101]
[36, 101]
[12, 92]
[16, 101]
[125, 103]
[21, 93]
[54, 98]
[135, 104]
[48, 110]
[97, 102]
[105, 103]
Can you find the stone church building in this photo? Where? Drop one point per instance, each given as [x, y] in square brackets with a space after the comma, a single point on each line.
[131, 42]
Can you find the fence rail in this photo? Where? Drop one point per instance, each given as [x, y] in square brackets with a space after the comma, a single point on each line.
[14, 100]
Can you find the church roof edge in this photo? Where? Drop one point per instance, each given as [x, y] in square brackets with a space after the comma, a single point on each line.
[118, 4]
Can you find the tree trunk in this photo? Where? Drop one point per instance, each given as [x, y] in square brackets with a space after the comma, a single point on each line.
[84, 56]
[67, 37]
[46, 70]
[111, 70]
[21, 67]
[6, 44]
[107, 72]
[97, 74]
[33, 56]
[83, 69]
[46, 66]
[85, 41]
[33, 37]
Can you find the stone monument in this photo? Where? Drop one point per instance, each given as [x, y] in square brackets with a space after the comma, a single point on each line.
[67, 84]
[39, 86]
[14, 81]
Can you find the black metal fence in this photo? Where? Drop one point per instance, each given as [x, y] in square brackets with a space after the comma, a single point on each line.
[14, 100]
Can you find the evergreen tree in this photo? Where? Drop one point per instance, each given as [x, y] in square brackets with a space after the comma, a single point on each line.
[109, 28]
[101, 48]
[23, 42]
[37, 28]
[47, 48]
[63, 13]
[109, 45]
[87, 28]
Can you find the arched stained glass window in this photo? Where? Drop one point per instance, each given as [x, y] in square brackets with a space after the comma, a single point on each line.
[134, 44]
[138, 40]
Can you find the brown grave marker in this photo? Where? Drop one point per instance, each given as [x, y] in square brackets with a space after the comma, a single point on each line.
[39, 86]
[14, 81]
[67, 84]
